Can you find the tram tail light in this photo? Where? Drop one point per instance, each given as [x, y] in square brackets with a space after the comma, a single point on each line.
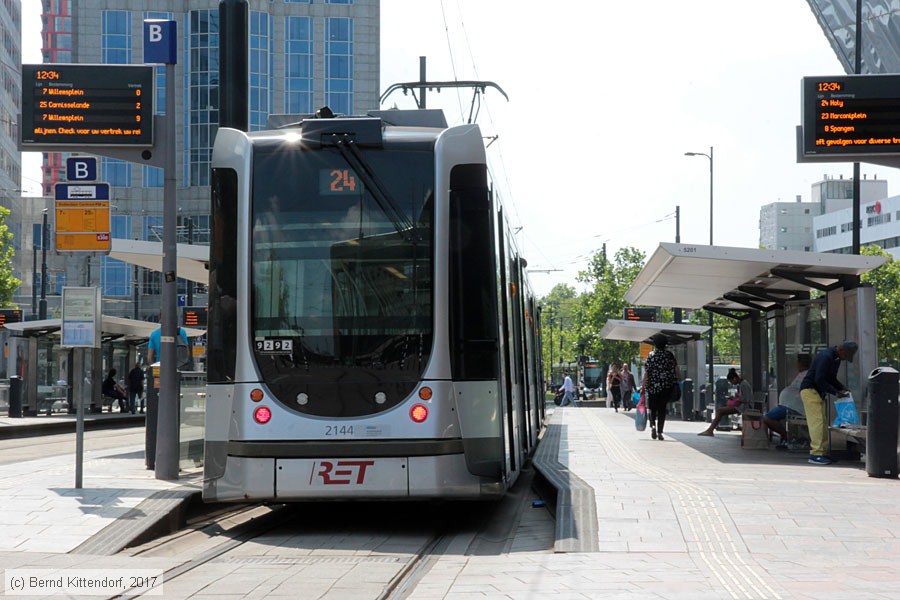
[425, 393]
[256, 394]
[262, 415]
[418, 413]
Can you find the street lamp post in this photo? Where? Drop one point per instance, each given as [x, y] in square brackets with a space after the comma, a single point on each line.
[42, 306]
[712, 380]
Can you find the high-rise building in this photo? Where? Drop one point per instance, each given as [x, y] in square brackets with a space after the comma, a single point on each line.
[56, 47]
[303, 54]
[791, 226]
[10, 95]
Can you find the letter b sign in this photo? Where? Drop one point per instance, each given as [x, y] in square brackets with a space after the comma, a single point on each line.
[160, 42]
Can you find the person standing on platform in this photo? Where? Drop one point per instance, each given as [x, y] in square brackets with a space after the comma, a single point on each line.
[135, 388]
[821, 380]
[568, 389]
[614, 385]
[626, 386]
[660, 379]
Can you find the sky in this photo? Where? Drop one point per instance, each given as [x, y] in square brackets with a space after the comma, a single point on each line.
[605, 98]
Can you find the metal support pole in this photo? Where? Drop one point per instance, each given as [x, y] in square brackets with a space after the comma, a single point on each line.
[677, 312]
[422, 79]
[167, 435]
[190, 284]
[857, 189]
[34, 272]
[42, 306]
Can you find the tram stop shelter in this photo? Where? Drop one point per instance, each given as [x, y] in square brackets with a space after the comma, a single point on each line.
[52, 376]
[684, 340]
[785, 303]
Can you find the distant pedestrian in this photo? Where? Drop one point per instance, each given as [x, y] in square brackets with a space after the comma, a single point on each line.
[626, 385]
[821, 380]
[568, 389]
[614, 384]
[660, 379]
[135, 388]
[113, 390]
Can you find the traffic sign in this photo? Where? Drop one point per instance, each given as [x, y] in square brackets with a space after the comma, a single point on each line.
[82, 225]
[81, 168]
[81, 191]
[160, 41]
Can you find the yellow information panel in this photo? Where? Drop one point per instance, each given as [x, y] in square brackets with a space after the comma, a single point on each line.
[82, 226]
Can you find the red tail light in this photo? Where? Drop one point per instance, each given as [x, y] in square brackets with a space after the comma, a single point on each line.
[418, 413]
[262, 415]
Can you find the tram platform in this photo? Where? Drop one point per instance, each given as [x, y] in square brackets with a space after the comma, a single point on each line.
[688, 517]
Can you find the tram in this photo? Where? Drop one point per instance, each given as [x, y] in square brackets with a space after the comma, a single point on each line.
[372, 334]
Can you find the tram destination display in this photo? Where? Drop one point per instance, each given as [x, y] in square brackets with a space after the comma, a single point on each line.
[87, 105]
[851, 115]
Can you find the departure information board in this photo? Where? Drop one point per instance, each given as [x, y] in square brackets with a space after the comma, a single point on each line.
[632, 313]
[87, 105]
[851, 115]
[194, 316]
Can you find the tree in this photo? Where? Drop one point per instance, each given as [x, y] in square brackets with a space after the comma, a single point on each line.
[606, 300]
[8, 283]
[886, 281]
[558, 341]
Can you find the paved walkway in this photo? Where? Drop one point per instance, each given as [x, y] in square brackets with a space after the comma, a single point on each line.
[690, 517]
[695, 517]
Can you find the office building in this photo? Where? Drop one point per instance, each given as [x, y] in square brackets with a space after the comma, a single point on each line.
[302, 55]
[790, 225]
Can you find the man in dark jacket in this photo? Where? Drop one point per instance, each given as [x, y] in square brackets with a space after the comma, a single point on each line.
[821, 379]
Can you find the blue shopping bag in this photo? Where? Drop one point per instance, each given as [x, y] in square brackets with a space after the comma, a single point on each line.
[640, 415]
[846, 414]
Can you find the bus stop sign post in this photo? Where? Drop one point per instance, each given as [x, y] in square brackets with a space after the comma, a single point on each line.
[160, 46]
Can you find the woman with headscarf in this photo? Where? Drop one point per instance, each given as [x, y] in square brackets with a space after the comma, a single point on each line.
[660, 379]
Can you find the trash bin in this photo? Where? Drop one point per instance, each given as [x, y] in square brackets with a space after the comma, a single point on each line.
[883, 423]
[15, 397]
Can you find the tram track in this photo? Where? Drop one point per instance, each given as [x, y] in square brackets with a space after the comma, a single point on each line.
[390, 547]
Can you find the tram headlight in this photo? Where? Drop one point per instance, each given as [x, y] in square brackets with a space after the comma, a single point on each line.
[418, 413]
[262, 415]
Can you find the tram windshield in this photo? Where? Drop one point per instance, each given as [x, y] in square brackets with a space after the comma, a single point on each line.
[340, 294]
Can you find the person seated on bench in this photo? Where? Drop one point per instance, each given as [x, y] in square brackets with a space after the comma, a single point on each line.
[744, 395]
[113, 390]
[789, 404]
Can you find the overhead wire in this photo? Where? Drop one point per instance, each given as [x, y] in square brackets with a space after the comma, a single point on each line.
[452, 60]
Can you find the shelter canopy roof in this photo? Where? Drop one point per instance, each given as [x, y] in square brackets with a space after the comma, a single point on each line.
[642, 331]
[727, 278]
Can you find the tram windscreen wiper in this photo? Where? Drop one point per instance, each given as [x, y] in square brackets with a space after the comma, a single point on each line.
[349, 150]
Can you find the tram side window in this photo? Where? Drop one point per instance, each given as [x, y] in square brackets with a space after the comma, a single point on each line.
[223, 261]
[473, 286]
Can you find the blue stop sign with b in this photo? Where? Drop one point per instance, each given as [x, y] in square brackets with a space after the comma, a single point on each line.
[81, 168]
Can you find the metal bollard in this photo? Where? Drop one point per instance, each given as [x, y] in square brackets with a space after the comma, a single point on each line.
[687, 400]
[152, 393]
[883, 423]
[15, 397]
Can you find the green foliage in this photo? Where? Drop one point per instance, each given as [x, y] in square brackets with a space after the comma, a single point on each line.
[726, 336]
[8, 283]
[886, 281]
[577, 319]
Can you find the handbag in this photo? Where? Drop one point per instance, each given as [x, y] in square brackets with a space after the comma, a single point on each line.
[753, 434]
[676, 393]
[640, 414]
[845, 411]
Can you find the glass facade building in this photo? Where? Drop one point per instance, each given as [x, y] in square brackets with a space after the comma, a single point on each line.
[880, 20]
[302, 55]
